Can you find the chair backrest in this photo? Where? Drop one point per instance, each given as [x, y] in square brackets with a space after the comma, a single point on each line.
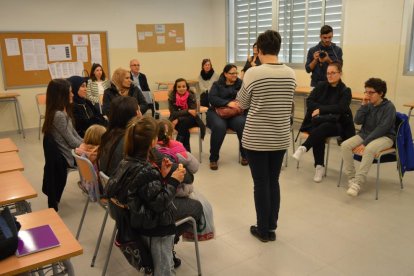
[161, 95]
[41, 103]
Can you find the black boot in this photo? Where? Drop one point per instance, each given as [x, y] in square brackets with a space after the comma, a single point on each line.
[177, 261]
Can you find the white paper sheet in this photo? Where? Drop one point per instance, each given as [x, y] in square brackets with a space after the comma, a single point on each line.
[96, 55]
[34, 54]
[12, 46]
[66, 69]
[82, 54]
[59, 52]
[80, 40]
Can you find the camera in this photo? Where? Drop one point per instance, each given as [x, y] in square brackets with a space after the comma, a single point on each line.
[322, 54]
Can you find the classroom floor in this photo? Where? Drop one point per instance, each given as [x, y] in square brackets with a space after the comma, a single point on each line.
[322, 231]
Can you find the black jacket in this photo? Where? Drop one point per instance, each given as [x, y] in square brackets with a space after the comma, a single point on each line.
[112, 92]
[142, 79]
[85, 114]
[221, 94]
[334, 101]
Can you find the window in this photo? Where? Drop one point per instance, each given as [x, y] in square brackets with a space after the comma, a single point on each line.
[298, 22]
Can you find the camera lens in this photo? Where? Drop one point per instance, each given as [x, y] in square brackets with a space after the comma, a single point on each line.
[322, 54]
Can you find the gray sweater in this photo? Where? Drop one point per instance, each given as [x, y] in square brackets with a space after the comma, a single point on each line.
[376, 121]
[65, 136]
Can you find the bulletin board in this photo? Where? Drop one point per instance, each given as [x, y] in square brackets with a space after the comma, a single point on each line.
[160, 37]
[23, 69]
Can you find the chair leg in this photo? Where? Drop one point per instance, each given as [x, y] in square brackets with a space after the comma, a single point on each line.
[377, 182]
[98, 242]
[327, 157]
[200, 146]
[293, 139]
[196, 245]
[82, 218]
[340, 173]
[108, 255]
[40, 123]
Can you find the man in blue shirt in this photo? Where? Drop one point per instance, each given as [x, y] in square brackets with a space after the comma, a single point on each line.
[321, 55]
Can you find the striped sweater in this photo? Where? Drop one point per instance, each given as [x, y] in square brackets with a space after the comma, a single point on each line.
[267, 92]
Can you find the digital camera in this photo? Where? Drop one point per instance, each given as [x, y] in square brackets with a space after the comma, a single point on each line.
[322, 54]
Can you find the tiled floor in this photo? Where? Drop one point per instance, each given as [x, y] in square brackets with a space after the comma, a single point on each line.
[322, 231]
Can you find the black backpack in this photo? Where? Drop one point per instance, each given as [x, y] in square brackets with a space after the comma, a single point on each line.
[9, 227]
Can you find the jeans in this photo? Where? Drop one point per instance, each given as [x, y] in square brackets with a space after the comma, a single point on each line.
[219, 127]
[161, 252]
[187, 207]
[316, 140]
[265, 169]
[374, 147]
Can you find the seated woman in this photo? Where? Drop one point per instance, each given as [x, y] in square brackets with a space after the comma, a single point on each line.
[84, 111]
[148, 192]
[110, 153]
[59, 140]
[328, 114]
[223, 93]
[377, 116]
[205, 80]
[97, 84]
[122, 86]
[183, 112]
[251, 61]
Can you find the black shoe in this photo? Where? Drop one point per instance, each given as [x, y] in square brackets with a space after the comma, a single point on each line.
[255, 232]
[272, 235]
[177, 261]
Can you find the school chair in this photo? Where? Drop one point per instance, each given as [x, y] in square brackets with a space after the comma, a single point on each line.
[41, 108]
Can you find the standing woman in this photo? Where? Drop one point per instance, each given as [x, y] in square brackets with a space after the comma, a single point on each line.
[84, 111]
[60, 137]
[328, 114]
[205, 80]
[268, 93]
[251, 61]
[122, 86]
[223, 93]
[97, 84]
[183, 112]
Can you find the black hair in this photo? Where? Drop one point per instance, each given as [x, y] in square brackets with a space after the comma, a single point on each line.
[94, 66]
[269, 42]
[177, 81]
[326, 29]
[378, 85]
[337, 65]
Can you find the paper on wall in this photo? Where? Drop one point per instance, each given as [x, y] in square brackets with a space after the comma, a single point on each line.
[160, 39]
[82, 54]
[66, 69]
[80, 40]
[12, 46]
[59, 52]
[34, 54]
[96, 55]
[141, 35]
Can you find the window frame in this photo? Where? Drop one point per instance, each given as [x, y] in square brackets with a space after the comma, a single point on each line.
[409, 51]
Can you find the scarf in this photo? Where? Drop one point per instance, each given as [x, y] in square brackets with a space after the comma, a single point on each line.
[181, 100]
[207, 75]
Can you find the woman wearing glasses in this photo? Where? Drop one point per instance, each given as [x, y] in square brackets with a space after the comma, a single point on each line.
[377, 116]
[223, 93]
[205, 80]
[328, 114]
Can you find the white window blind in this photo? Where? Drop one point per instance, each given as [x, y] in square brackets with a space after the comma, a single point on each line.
[298, 22]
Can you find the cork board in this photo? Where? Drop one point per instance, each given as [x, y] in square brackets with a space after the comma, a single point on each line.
[15, 75]
[160, 37]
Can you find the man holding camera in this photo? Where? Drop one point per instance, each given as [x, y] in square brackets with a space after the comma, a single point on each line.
[321, 55]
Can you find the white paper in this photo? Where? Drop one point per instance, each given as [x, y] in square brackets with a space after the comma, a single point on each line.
[141, 35]
[159, 28]
[172, 33]
[12, 46]
[80, 40]
[179, 39]
[160, 39]
[96, 55]
[34, 54]
[82, 54]
[53, 71]
[59, 52]
[66, 69]
[149, 34]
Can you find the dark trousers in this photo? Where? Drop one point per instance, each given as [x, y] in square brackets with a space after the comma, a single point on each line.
[187, 207]
[182, 127]
[219, 127]
[265, 169]
[316, 140]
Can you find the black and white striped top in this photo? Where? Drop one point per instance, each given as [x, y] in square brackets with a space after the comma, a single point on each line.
[267, 91]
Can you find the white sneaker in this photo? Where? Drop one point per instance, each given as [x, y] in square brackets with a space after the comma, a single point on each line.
[353, 189]
[299, 152]
[351, 181]
[319, 172]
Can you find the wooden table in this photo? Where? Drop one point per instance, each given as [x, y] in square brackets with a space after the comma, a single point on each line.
[12, 97]
[69, 246]
[10, 161]
[411, 106]
[7, 145]
[14, 190]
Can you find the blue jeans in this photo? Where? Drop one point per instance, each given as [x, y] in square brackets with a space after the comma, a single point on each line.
[265, 169]
[219, 127]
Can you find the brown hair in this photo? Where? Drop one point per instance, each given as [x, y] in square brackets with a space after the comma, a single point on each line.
[94, 134]
[139, 137]
[337, 65]
[165, 131]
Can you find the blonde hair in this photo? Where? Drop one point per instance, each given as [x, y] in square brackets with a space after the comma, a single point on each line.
[118, 78]
[93, 135]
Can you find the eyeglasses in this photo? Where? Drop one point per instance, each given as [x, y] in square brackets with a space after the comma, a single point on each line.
[233, 73]
[135, 65]
[370, 93]
[331, 73]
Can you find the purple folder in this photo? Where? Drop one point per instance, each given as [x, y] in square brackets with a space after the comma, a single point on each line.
[36, 239]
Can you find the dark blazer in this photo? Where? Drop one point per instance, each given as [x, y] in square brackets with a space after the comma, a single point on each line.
[112, 92]
[142, 79]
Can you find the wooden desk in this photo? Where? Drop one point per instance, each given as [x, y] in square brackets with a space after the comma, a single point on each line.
[12, 97]
[7, 145]
[69, 246]
[14, 190]
[10, 161]
[411, 106]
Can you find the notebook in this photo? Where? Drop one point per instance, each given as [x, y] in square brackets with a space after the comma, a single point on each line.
[36, 239]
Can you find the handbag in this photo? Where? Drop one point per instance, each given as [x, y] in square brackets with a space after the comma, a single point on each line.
[226, 112]
[9, 227]
[325, 118]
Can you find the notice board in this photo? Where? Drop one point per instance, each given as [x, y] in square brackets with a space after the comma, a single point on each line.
[160, 37]
[23, 69]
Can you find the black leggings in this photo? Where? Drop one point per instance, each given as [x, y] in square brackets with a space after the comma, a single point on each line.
[316, 140]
